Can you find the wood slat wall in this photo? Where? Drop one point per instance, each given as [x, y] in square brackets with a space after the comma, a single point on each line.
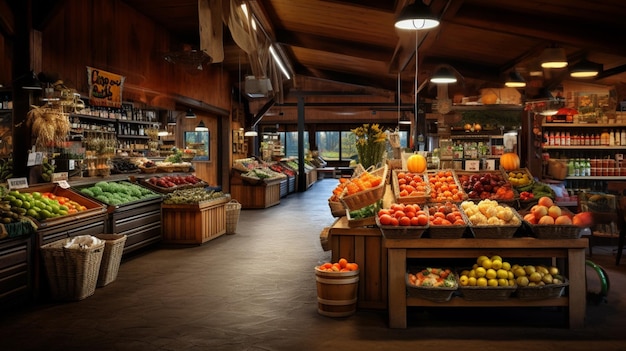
[111, 36]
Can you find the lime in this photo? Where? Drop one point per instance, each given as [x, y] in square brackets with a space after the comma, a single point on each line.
[36, 195]
[45, 214]
[62, 212]
[32, 213]
[26, 205]
[14, 192]
[63, 208]
[17, 203]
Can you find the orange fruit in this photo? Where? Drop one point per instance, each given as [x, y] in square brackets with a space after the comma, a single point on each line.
[343, 262]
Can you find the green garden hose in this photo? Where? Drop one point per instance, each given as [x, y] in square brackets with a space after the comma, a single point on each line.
[604, 279]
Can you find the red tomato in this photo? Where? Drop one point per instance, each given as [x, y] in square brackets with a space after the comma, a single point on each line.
[385, 219]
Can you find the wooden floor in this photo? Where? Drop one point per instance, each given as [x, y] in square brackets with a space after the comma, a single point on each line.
[256, 290]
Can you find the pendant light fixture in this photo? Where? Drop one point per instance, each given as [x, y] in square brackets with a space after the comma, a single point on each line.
[585, 69]
[443, 75]
[251, 133]
[515, 80]
[416, 16]
[190, 114]
[553, 57]
[402, 118]
[201, 127]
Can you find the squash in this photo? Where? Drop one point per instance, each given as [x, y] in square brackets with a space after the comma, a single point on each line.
[416, 163]
[510, 161]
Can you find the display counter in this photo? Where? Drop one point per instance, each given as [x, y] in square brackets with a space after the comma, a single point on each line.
[569, 253]
[194, 224]
[364, 246]
[263, 194]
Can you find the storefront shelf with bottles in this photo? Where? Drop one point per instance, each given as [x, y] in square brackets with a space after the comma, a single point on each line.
[593, 152]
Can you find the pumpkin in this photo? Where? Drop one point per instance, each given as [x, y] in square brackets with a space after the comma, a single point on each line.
[416, 163]
[509, 161]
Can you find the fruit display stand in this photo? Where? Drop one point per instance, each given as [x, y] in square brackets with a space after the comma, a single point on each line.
[90, 221]
[264, 194]
[569, 253]
[139, 220]
[194, 223]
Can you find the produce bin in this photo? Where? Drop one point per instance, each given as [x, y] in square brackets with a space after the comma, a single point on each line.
[72, 272]
[139, 220]
[111, 257]
[194, 223]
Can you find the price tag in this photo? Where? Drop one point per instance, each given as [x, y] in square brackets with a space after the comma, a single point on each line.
[490, 165]
[71, 165]
[60, 176]
[472, 165]
[63, 184]
[17, 183]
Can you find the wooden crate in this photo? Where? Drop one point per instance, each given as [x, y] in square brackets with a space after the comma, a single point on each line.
[256, 196]
[194, 224]
[363, 246]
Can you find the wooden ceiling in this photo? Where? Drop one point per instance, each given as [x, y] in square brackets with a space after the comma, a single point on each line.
[352, 47]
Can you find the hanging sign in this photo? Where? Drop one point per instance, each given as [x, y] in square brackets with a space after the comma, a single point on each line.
[105, 88]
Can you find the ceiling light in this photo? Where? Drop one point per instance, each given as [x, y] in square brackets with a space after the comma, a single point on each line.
[202, 127]
[515, 80]
[163, 133]
[404, 119]
[535, 69]
[443, 76]
[279, 62]
[553, 58]
[585, 69]
[416, 16]
[190, 114]
[251, 133]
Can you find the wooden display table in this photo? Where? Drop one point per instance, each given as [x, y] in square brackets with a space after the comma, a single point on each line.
[570, 253]
[194, 224]
[363, 246]
[262, 195]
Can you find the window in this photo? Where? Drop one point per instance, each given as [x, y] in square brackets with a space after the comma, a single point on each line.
[291, 143]
[328, 144]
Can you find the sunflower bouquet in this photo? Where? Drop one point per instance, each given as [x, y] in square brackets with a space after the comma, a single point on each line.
[370, 144]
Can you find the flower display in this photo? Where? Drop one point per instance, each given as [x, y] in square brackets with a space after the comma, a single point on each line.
[370, 144]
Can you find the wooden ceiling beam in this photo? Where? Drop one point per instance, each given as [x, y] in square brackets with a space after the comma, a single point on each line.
[550, 29]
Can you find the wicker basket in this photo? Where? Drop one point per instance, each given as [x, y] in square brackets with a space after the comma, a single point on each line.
[72, 273]
[419, 199]
[435, 294]
[366, 197]
[111, 257]
[496, 231]
[448, 231]
[147, 170]
[359, 222]
[233, 209]
[548, 291]
[489, 293]
[461, 193]
[401, 232]
[554, 231]
[336, 208]
[511, 202]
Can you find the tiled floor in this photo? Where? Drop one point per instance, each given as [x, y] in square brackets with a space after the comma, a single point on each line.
[255, 290]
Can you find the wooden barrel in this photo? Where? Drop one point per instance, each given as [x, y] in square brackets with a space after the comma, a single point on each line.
[336, 292]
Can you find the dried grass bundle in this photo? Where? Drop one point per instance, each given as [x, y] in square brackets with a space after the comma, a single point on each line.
[48, 125]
